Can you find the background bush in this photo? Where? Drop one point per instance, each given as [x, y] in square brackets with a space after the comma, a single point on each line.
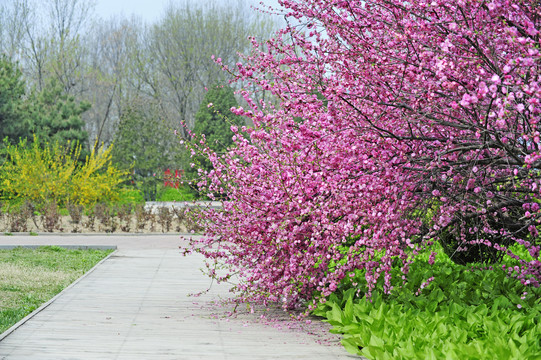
[52, 174]
[183, 193]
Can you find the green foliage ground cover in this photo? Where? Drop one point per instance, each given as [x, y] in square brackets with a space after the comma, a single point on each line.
[30, 277]
[464, 313]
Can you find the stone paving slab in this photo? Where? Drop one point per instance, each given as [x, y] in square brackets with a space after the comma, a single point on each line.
[135, 305]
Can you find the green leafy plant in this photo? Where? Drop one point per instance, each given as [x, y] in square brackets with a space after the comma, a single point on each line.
[12, 89]
[445, 311]
[49, 112]
[55, 117]
[213, 120]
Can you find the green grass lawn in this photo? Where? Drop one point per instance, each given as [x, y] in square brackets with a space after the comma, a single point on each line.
[30, 277]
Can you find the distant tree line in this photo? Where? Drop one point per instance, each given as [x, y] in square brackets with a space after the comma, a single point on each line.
[68, 76]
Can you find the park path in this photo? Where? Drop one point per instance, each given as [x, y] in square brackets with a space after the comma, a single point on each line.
[135, 305]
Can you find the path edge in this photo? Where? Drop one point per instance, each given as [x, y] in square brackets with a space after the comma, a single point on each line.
[46, 304]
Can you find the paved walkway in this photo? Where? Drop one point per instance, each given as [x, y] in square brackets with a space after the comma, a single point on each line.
[135, 305]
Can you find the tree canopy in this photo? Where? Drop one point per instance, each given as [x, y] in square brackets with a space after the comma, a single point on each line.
[147, 146]
[49, 115]
[214, 120]
[12, 90]
[109, 62]
[429, 131]
[55, 116]
[214, 117]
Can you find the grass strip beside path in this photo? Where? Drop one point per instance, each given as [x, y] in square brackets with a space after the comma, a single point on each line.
[31, 277]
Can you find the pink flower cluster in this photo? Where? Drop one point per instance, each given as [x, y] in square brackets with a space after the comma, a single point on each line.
[389, 122]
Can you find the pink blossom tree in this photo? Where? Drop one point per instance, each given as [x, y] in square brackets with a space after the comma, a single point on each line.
[399, 123]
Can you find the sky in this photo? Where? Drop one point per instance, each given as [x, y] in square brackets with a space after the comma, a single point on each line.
[149, 10]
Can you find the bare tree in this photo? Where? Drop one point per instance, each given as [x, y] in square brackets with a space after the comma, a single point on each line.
[68, 19]
[12, 29]
[115, 62]
[43, 36]
[112, 44]
[181, 46]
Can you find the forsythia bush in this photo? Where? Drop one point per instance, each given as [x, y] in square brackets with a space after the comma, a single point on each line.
[52, 173]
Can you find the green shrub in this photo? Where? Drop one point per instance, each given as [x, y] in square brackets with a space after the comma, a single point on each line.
[172, 194]
[130, 196]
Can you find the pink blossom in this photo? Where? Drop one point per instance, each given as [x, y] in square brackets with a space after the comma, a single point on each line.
[338, 177]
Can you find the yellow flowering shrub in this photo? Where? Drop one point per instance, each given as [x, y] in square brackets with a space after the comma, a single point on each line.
[97, 180]
[52, 174]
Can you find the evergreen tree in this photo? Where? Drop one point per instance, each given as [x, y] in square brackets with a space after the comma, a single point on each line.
[49, 114]
[12, 88]
[55, 116]
[214, 119]
[145, 144]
